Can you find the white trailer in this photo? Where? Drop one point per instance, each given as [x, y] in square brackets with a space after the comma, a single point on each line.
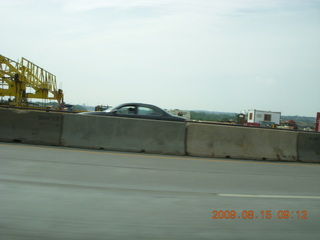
[259, 118]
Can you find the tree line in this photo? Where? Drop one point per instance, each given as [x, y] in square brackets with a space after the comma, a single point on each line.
[212, 116]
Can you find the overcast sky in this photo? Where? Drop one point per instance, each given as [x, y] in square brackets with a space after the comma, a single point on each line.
[217, 55]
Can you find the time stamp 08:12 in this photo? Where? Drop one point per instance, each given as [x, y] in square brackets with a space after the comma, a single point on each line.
[264, 214]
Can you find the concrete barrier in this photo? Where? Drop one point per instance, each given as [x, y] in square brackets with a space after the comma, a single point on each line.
[309, 147]
[124, 134]
[162, 137]
[30, 126]
[210, 140]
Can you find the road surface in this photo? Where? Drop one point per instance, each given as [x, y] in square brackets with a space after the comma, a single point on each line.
[68, 193]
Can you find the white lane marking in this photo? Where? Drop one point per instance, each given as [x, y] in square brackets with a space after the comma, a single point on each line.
[266, 196]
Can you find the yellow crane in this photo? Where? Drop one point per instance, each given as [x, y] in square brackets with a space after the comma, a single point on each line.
[23, 80]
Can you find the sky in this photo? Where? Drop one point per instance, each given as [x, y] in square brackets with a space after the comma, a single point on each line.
[215, 55]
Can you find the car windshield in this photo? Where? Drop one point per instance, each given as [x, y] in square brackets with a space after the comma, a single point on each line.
[133, 109]
[129, 109]
[148, 111]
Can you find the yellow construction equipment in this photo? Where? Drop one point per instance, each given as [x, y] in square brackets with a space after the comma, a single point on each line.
[23, 80]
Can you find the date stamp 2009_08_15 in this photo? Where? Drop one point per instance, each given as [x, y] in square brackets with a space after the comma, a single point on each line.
[260, 214]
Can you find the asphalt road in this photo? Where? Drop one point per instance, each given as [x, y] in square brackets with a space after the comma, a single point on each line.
[64, 193]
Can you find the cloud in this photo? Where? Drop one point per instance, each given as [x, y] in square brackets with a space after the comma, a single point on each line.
[213, 6]
[88, 5]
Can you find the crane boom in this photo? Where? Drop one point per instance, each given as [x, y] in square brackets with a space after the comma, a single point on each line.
[16, 77]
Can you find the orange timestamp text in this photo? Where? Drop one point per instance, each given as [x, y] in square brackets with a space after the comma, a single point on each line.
[264, 214]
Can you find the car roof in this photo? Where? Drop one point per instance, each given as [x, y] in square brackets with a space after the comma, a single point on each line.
[138, 104]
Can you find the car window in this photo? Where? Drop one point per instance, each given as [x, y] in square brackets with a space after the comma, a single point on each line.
[148, 111]
[127, 110]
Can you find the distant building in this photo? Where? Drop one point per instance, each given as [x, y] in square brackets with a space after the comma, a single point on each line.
[260, 118]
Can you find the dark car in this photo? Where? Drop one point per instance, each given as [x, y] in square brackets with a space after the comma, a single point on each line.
[137, 110]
